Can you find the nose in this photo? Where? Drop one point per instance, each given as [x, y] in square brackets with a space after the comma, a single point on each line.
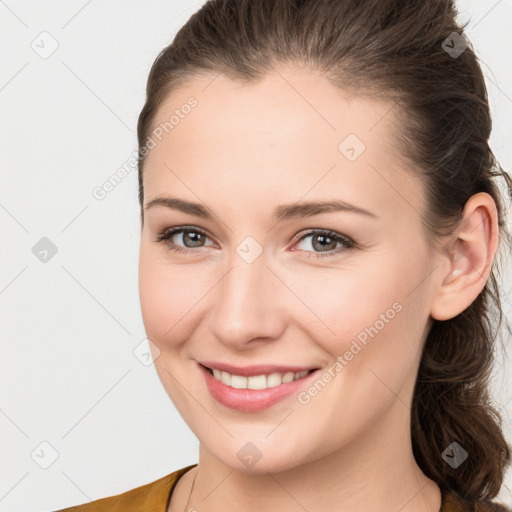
[247, 308]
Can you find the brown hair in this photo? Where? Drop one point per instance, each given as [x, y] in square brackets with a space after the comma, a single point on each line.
[398, 50]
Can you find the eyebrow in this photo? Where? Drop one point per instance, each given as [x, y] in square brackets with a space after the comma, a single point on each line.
[281, 213]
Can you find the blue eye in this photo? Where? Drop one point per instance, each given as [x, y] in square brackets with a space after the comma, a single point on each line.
[320, 239]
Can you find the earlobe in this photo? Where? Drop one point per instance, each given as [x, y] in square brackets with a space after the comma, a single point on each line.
[466, 259]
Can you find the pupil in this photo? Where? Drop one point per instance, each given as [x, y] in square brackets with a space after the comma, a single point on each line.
[324, 241]
[192, 235]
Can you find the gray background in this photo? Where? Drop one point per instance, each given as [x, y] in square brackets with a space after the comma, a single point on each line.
[69, 326]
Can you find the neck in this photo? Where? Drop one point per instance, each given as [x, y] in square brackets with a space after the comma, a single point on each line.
[377, 471]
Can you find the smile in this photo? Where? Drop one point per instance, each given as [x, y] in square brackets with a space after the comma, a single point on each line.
[257, 381]
[257, 392]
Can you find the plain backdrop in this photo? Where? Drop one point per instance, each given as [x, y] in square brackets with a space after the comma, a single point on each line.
[82, 414]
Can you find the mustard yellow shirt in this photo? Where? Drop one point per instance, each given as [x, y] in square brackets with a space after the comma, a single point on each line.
[155, 497]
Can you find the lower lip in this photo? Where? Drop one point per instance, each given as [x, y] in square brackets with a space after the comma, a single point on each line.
[251, 400]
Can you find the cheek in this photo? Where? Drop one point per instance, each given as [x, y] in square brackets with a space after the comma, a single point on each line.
[369, 315]
[381, 342]
[168, 294]
[346, 300]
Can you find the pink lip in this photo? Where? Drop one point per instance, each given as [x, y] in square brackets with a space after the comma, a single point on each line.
[251, 400]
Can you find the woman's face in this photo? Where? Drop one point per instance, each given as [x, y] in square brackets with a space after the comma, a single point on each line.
[256, 281]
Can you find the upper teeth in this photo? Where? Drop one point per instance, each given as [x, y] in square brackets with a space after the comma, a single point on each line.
[258, 381]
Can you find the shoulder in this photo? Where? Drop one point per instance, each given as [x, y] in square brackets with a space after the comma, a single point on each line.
[452, 502]
[151, 497]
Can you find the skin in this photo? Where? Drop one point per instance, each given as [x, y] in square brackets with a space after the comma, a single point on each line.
[244, 150]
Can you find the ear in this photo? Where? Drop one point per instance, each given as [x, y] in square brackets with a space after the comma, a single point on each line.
[466, 259]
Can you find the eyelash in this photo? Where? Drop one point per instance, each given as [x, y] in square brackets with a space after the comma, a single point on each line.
[165, 235]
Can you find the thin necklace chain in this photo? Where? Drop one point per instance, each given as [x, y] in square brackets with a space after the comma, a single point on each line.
[190, 495]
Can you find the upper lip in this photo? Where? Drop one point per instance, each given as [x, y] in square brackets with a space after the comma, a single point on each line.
[259, 369]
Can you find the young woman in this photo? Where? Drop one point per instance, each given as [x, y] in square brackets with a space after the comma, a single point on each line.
[320, 232]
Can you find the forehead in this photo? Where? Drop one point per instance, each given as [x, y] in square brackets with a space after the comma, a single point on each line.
[290, 134]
